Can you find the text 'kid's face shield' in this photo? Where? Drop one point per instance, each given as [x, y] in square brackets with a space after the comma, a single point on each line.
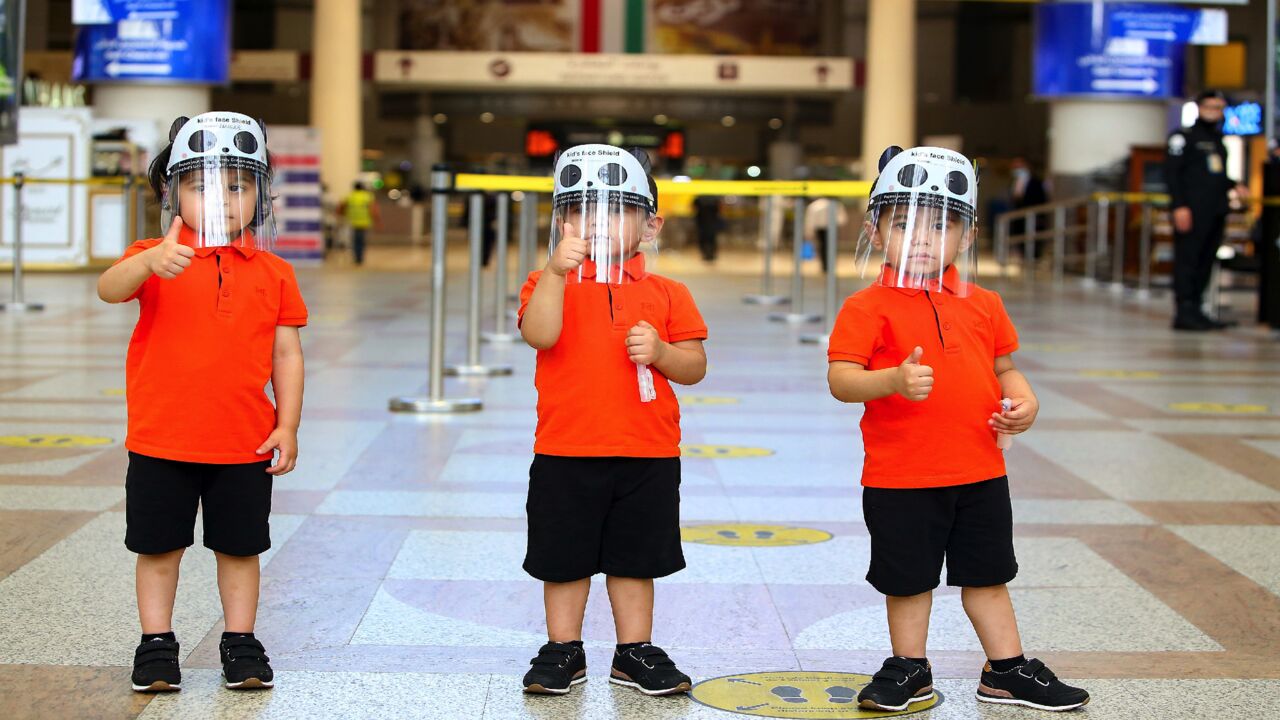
[919, 229]
[219, 182]
[602, 196]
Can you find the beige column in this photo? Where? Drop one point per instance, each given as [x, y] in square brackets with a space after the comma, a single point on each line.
[889, 109]
[336, 101]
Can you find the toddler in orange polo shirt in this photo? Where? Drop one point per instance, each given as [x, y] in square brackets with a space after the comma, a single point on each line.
[604, 487]
[930, 355]
[218, 319]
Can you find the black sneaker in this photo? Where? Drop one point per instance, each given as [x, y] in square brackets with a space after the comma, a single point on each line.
[556, 669]
[244, 663]
[897, 684]
[1031, 684]
[155, 667]
[648, 669]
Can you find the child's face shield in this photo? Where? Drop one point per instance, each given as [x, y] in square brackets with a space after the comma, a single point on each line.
[222, 206]
[620, 234]
[218, 180]
[602, 195]
[922, 247]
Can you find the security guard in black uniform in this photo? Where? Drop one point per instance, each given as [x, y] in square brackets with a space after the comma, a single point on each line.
[1196, 173]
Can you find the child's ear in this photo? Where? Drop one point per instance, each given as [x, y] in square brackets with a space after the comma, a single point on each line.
[873, 234]
[653, 227]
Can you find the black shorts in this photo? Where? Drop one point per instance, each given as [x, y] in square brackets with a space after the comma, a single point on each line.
[613, 515]
[161, 498]
[913, 530]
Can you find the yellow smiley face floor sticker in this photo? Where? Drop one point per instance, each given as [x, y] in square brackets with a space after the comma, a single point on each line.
[795, 694]
[1213, 408]
[723, 452]
[53, 441]
[752, 535]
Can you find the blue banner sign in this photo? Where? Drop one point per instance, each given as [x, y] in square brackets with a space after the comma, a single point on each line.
[153, 41]
[1075, 54]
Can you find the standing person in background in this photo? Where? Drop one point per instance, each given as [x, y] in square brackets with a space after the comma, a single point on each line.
[1027, 190]
[815, 226]
[707, 218]
[1195, 170]
[361, 213]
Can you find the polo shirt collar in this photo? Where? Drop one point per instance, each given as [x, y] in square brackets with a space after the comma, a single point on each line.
[951, 283]
[244, 243]
[634, 268]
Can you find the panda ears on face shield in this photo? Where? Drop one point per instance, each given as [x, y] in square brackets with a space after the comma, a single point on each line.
[176, 127]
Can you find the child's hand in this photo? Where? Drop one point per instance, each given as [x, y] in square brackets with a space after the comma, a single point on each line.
[1019, 418]
[914, 381]
[569, 253]
[170, 258]
[643, 344]
[286, 441]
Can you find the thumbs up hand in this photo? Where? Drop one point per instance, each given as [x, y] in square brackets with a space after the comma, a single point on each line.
[170, 258]
[914, 381]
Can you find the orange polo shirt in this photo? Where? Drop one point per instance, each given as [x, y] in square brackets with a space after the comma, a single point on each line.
[200, 357]
[588, 398]
[945, 439]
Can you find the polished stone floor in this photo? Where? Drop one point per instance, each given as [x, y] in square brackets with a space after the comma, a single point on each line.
[1147, 501]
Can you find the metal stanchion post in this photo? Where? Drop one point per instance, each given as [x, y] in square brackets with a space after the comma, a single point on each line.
[436, 402]
[1029, 238]
[526, 239]
[1144, 254]
[766, 296]
[126, 204]
[1118, 248]
[833, 276]
[18, 302]
[1002, 244]
[500, 320]
[473, 366]
[797, 315]
[1095, 241]
[140, 213]
[1059, 243]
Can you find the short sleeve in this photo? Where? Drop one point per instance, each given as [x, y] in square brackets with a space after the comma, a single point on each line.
[1006, 335]
[684, 321]
[526, 292]
[134, 249]
[856, 334]
[293, 311]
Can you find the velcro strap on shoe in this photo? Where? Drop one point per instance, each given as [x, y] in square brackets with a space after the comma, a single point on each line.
[241, 648]
[896, 670]
[653, 655]
[156, 651]
[1036, 669]
[553, 655]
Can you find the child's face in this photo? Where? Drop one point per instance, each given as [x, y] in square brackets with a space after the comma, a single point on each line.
[923, 243]
[623, 229]
[218, 201]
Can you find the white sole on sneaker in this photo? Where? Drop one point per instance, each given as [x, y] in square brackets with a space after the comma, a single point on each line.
[872, 705]
[681, 688]
[1027, 703]
[250, 684]
[158, 686]
[536, 689]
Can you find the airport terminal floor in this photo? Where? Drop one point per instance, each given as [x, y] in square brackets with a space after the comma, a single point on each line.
[1146, 499]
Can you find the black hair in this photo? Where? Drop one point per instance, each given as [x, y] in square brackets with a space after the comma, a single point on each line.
[1212, 95]
[357, 185]
[158, 175]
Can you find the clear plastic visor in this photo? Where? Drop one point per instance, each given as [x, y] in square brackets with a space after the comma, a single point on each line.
[617, 228]
[222, 206]
[918, 246]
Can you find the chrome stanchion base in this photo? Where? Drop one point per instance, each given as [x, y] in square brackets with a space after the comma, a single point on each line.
[21, 307]
[477, 370]
[766, 300]
[794, 318]
[424, 405]
[1088, 282]
[822, 339]
[1117, 288]
[497, 338]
